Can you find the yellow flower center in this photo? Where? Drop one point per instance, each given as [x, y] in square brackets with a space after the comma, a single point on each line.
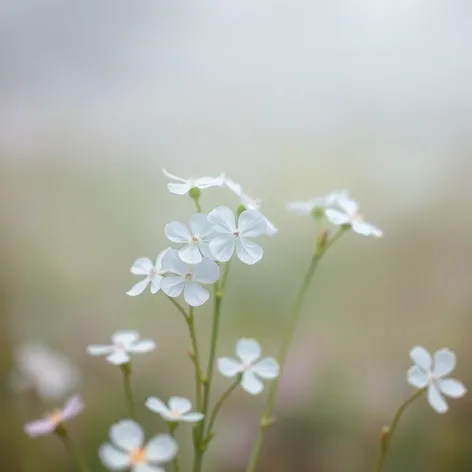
[55, 417]
[137, 456]
[174, 413]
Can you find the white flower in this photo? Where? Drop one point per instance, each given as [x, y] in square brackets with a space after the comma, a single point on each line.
[153, 273]
[307, 208]
[195, 241]
[185, 185]
[349, 215]
[432, 374]
[250, 204]
[128, 453]
[250, 365]
[250, 224]
[179, 409]
[124, 343]
[188, 278]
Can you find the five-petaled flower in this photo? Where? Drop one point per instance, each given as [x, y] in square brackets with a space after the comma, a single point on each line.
[432, 374]
[250, 365]
[183, 186]
[127, 451]
[153, 273]
[188, 277]
[230, 236]
[321, 204]
[179, 409]
[124, 343]
[73, 407]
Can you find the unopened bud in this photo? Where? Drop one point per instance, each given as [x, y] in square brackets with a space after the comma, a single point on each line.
[385, 433]
[194, 193]
[240, 209]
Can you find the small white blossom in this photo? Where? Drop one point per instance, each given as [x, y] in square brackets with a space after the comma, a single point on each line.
[250, 365]
[179, 409]
[127, 451]
[183, 186]
[432, 374]
[307, 208]
[124, 343]
[349, 215]
[153, 273]
[188, 277]
[196, 241]
[231, 236]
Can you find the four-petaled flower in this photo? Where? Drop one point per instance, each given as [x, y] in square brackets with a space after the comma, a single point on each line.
[349, 215]
[179, 409]
[124, 343]
[250, 224]
[195, 241]
[431, 374]
[128, 452]
[249, 365]
[321, 204]
[183, 186]
[188, 278]
[153, 273]
[73, 407]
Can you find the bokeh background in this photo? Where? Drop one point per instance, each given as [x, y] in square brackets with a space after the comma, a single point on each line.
[292, 99]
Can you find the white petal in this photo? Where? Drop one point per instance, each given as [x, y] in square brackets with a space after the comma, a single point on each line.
[349, 206]
[452, 388]
[142, 266]
[113, 458]
[366, 229]
[229, 367]
[171, 262]
[444, 362]
[190, 254]
[99, 349]
[179, 189]
[73, 407]
[192, 417]
[143, 467]
[138, 289]
[436, 400]
[207, 182]
[207, 272]
[118, 358]
[161, 448]
[300, 208]
[156, 284]
[248, 350]
[177, 232]
[205, 250]
[222, 220]
[251, 383]
[222, 247]
[233, 186]
[422, 358]
[159, 259]
[127, 434]
[267, 368]
[156, 405]
[173, 177]
[248, 251]
[337, 217]
[139, 347]
[417, 377]
[180, 404]
[125, 337]
[271, 229]
[173, 286]
[334, 198]
[252, 224]
[195, 294]
[199, 225]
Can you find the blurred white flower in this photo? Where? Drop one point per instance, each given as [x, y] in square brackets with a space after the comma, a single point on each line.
[179, 409]
[308, 207]
[195, 241]
[230, 237]
[73, 407]
[153, 273]
[349, 215]
[250, 365]
[183, 186]
[188, 277]
[431, 374]
[124, 343]
[128, 452]
[250, 204]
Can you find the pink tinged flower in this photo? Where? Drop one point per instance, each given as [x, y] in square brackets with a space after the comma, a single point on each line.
[124, 343]
[152, 272]
[195, 241]
[233, 236]
[179, 409]
[188, 277]
[182, 186]
[308, 207]
[250, 365]
[73, 407]
[128, 452]
[432, 373]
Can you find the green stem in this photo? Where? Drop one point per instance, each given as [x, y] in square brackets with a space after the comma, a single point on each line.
[178, 306]
[175, 462]
[72, 450]
[388, 432]
[195, 358]
[126, 369]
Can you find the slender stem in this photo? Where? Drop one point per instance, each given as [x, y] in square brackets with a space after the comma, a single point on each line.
[195, 358]
[178, 306]
[126, 369]
[388, 432]
[72, 450]
[175, 462]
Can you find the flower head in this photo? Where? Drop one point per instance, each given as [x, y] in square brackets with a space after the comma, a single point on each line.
[349, 215]
[250, 365]
[124, 343]
[152, 272]
[128, 452]
[188, 277]
[309, 207]
[73, 407]
[431, 373]
[196, 240]
[183, 186]
[179, 409]
[231, 236]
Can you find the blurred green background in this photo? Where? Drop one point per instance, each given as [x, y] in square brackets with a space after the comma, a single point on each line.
[292, 100]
